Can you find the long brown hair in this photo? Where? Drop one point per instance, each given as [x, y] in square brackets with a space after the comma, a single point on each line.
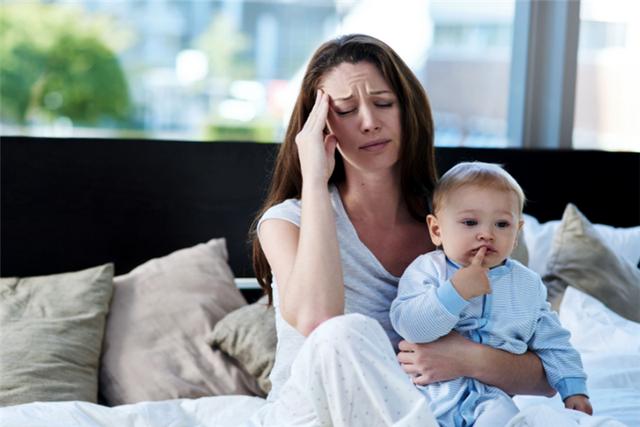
[417, 160]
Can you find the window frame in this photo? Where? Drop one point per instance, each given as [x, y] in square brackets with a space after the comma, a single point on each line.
[543, 74]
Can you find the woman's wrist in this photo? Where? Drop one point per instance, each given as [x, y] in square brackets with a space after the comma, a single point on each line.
[314, 185]
[473, 359]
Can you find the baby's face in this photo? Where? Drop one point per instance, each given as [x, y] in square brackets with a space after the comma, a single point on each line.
[472, 217]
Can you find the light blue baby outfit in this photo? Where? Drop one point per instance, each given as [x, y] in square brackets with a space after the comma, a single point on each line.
[514, 317]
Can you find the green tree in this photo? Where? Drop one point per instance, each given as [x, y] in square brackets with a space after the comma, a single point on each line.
[57, 61]
[226, 47]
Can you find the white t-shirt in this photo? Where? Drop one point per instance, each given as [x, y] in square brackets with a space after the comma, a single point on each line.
[369, 287]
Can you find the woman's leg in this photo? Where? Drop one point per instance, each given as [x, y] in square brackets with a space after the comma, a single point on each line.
[347, 374]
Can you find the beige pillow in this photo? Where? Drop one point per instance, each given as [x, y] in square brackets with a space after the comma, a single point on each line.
[248, 334]
[51, 330]
[155, 345]
[580, 258]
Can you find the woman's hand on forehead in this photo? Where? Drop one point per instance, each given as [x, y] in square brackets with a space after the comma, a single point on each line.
[315, 147]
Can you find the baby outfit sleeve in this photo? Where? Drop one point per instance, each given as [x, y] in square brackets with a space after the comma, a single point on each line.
[427, 305]
[562, 363]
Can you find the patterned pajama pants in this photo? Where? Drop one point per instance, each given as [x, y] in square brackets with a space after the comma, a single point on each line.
[347, 374]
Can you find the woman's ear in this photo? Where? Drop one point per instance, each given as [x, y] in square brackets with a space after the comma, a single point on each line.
[434, 229]
[328, 131]
[327, 128]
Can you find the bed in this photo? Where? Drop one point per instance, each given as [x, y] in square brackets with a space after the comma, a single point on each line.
[141, 247]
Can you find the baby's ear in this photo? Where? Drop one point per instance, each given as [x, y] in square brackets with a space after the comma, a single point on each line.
[519, 234]
[434, 229]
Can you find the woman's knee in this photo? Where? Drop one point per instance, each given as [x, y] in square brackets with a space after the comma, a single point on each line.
[346, 328]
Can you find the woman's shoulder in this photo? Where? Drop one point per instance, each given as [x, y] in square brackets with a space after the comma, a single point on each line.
[288, 210]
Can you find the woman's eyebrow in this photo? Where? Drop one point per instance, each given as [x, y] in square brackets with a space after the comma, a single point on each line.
[345, 98]
[373, 93]
[379, 92]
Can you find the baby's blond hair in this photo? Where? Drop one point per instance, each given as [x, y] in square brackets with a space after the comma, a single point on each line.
[475, 173]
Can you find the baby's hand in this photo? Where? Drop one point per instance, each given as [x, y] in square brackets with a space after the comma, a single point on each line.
[579, 403]
[472, 281]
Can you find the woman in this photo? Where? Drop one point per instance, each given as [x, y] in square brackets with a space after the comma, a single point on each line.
[342, 220]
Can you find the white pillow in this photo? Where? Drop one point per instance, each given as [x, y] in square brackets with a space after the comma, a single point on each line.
[625, 242]
[538, 238]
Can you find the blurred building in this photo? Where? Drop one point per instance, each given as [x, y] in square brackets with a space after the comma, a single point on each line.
[461, 51]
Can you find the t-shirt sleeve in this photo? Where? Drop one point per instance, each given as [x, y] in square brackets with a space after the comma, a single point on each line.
[289, 210]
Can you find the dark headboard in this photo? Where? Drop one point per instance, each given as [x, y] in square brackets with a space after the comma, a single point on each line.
[71, 204]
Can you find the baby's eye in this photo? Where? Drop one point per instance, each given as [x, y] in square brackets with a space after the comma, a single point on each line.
[502, 224]
[469, 222]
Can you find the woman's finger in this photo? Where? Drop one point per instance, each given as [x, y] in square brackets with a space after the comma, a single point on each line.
[410, 369]
[320, 121]
[318, 114]
[406, 357]
[406, 346]
[422, 380]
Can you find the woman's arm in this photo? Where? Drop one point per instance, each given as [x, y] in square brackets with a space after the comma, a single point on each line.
[513, 373]
[454, 356]
[306, 261]
[306, 264]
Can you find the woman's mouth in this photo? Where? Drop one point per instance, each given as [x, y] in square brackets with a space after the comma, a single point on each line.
[375, 145]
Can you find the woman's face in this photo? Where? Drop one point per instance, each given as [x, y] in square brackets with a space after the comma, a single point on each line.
[364, 115]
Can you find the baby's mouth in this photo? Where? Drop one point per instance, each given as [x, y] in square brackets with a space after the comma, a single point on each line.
[490, 250]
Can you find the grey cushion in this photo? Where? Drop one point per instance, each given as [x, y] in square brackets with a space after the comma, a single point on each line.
[580, 258]
[155, 345]
[51, 330]
[248, 334]
[521, 252]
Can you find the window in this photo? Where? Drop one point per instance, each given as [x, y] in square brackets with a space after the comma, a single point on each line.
[225, 70]
[180, 69]
[230, 69]
[607, 109]
[467, 71]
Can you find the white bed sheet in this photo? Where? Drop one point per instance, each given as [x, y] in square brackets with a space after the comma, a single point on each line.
[610, 346]
[220, 411]
[610, 350]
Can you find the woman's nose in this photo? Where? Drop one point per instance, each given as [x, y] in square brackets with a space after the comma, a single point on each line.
[369, 121]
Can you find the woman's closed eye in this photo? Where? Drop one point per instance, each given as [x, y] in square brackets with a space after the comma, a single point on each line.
[344, 113]
[377, 104]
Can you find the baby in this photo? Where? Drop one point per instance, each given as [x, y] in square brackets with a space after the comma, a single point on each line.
[471, 286]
